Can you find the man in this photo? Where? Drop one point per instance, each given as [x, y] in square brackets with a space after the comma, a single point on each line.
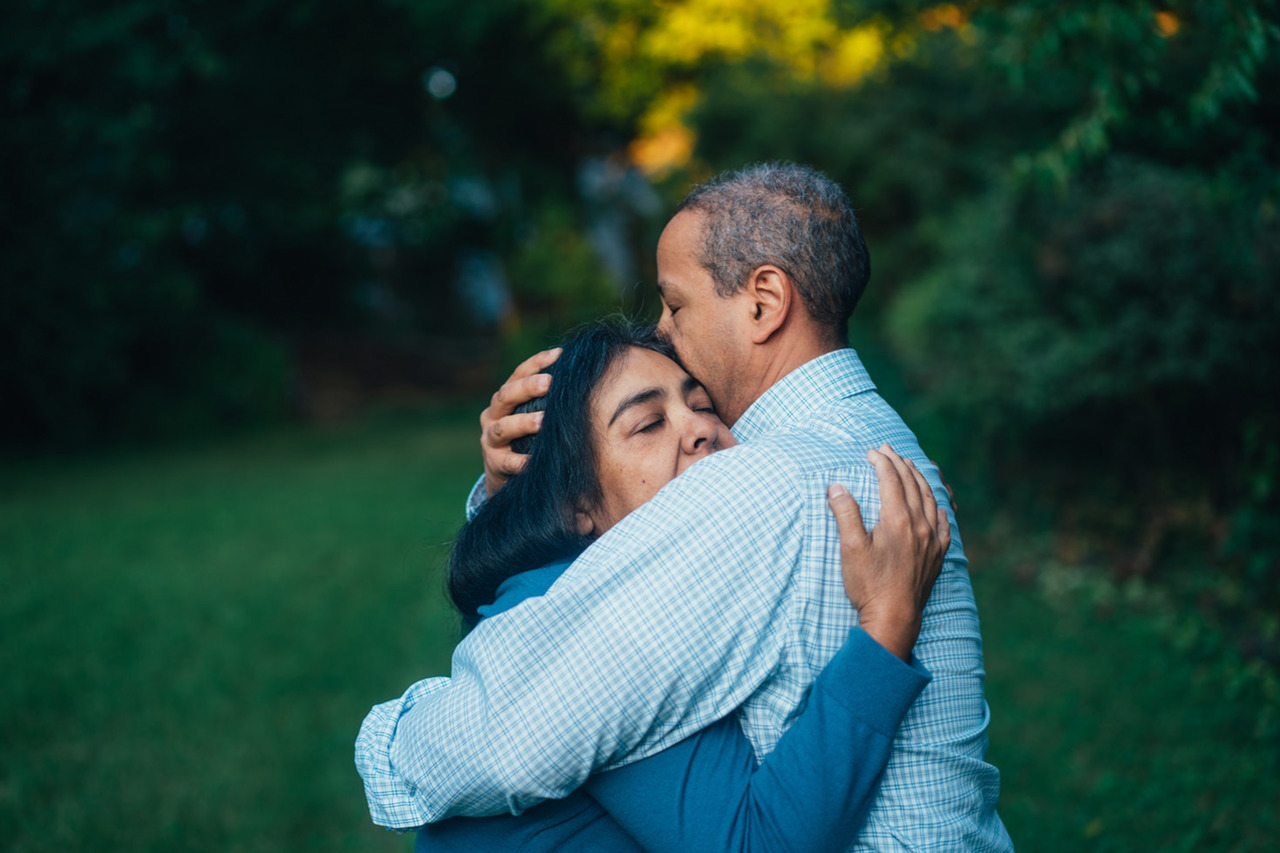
[723, 592]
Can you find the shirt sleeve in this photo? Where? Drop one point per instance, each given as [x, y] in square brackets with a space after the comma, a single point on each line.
[476, 498]
[812, 793]
[666, 624]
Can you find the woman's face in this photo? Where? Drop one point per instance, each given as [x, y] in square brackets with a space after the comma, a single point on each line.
[650, 421]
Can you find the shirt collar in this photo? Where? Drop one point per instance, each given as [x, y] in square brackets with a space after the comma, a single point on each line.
[814, 384]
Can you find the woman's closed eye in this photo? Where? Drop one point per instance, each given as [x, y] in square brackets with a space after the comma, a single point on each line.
[652, 426]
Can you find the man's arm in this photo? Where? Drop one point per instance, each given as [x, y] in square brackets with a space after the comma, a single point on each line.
[666, 624]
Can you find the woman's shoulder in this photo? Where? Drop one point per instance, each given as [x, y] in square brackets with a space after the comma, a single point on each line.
[522, 586]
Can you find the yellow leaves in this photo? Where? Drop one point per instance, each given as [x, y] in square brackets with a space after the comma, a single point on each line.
[855, 55]
[665, 142]
[935, 18]
[1167, 24]
[670, 108]
[658, 154]
[800, 36]
[644, 49]
[687, 32]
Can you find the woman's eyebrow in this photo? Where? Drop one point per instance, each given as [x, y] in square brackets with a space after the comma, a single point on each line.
[689, 386]
[636, 399]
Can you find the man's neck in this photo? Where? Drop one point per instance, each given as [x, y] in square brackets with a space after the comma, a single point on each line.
[775, 362]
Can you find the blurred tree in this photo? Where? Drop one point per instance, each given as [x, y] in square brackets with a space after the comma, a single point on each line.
[190, 185]
[1094, 325]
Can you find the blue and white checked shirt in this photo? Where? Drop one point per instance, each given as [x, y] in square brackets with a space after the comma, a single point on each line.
[723, 592]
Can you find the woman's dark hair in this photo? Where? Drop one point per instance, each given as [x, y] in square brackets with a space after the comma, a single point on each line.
[530, 521]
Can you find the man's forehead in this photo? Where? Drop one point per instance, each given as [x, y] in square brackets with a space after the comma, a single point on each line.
[683, 231]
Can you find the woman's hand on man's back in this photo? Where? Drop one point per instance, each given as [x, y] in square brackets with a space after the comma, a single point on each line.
[890, 570]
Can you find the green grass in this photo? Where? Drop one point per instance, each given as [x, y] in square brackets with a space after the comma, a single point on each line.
[1121, 724]
[192, 636]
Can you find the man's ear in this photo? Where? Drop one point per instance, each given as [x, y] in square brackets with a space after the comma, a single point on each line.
[772, 296]
[586, 527]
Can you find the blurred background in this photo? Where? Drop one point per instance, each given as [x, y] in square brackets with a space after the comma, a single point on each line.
[263, 262]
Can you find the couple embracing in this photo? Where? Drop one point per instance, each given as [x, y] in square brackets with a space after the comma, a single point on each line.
[687, 638]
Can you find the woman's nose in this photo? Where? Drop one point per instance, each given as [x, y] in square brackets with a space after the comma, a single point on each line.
[700, 434]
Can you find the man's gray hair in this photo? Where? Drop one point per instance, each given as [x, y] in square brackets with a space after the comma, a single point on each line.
[794, 218]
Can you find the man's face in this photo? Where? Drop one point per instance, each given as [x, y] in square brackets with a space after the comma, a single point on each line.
[707, 330]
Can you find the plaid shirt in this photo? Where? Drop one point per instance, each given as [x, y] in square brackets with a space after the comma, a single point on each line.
[721, 594]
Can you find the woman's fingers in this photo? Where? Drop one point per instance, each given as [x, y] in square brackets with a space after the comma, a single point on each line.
[853, 532]
[893, 497]
[911, 492]
[889, 572]
[951, 496]
[928, 503]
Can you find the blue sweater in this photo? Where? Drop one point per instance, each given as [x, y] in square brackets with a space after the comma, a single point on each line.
[811, 794]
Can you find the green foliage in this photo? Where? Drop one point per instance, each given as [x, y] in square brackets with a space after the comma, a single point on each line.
[1140, 286]
[180, 173]
[561, 280]
[1174, 68]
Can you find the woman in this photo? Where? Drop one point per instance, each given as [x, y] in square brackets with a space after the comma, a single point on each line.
[644, 422]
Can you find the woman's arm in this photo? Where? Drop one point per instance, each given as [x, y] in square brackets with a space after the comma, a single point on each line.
[812, 793]
[576, 824]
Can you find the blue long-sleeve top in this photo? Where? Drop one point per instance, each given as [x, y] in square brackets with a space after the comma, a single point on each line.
[812, 793]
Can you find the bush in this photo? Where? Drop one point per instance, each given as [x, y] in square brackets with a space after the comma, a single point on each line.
[1135, 304]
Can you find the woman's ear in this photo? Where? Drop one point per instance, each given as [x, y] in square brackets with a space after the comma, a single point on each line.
[586, 527]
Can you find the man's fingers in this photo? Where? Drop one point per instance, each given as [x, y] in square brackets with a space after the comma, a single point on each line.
[853, 533]
[503, 431]
[510, 463]
[517, 392]
[536, 363]
[500, 466]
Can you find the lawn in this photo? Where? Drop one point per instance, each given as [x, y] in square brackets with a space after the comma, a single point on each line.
[192, 636]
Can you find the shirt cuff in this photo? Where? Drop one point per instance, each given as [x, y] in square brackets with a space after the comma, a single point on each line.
[391, 800]
[476, 499]
[872, 683]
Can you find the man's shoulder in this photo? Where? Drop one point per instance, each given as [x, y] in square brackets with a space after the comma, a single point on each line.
[754, 470]
[836, 434]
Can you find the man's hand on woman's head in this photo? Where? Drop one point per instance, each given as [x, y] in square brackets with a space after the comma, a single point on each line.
[889, 571]
[500, 425]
